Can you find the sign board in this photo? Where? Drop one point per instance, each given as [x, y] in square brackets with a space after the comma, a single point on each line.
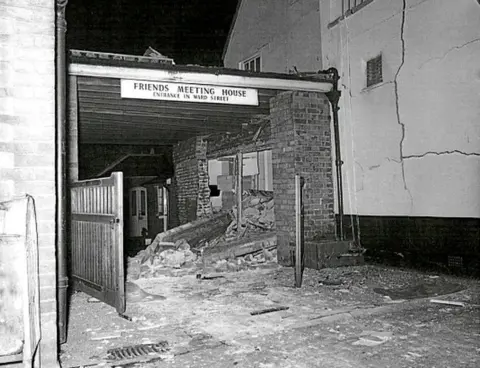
[188, 92]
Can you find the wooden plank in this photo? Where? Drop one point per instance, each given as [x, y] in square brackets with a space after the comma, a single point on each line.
[159, 112]
[194, 107]
[132, 135]
[158, 120]
[132, 141]
[298, 232]
[149, 127]
[95, 218]
[120, 272]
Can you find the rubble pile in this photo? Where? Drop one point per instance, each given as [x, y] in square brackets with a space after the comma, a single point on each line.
[168, 255]
[257, 216]
[257, 259]
[213, 244]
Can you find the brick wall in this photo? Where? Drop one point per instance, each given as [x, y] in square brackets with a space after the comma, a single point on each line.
[300, 130]
[27, 135]
[191, 179]
[204, 207]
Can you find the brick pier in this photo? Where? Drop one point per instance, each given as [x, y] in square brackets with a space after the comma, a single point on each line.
[301, 135]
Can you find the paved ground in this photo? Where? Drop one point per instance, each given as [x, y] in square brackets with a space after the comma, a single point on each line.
[339, 318]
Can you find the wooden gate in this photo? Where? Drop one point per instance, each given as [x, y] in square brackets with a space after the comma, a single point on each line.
[97, 239]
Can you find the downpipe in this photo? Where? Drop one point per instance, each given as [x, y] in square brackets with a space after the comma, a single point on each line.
[334, 96]
[60, 172]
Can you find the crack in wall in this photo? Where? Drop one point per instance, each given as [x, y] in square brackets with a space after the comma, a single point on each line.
[443, 153]
[397, 103]
[438, 58]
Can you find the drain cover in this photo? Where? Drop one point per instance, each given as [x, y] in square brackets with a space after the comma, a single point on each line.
[137, 351]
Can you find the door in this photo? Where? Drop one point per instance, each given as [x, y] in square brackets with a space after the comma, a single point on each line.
[97, 239]
[138, 211]
[162, 206]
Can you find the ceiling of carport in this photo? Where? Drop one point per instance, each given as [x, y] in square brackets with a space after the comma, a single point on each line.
[105, 117]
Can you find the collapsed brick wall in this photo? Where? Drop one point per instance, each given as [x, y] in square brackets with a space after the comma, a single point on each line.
[300, 129]
[27, 136]
[255, 138]
[191, 179]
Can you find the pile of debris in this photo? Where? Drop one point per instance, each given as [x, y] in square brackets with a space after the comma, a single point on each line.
[213, 244]
[167, 255]
[257, 214]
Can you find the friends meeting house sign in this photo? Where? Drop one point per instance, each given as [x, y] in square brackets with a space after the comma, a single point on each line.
[188, 92]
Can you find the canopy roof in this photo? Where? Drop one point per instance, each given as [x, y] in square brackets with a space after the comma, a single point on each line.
[105, 117]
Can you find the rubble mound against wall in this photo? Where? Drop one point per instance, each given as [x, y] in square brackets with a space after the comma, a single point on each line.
[258, 214]
[213, 244]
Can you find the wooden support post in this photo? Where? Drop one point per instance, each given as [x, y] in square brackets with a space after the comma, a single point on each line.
[239, 189]
[72, 129]
[298, 232]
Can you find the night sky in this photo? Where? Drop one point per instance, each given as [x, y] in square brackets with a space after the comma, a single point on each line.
[189, 31]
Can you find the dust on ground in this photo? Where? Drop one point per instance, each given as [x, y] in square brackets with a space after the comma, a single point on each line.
[344, 317]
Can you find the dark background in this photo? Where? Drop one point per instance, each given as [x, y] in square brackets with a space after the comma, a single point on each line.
[189, 31]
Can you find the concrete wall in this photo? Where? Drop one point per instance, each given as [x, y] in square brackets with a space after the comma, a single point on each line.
[27, 135]
[411, 144]
[286, 34]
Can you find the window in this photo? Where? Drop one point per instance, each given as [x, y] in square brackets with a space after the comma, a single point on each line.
[134, 203]
[339, 9]
[350, 6]
[374, 71]
[160, 209]
[253, 64]
[143, 203]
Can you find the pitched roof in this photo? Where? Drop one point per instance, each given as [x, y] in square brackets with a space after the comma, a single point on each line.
[230, 31]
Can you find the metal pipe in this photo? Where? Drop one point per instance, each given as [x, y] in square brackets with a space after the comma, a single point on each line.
[60, 173]
[334, 96]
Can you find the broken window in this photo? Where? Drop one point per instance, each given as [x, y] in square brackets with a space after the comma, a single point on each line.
[374, 71]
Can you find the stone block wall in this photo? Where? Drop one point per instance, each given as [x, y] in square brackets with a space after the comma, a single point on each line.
[27, 135]
[300, 130]
[191, 179]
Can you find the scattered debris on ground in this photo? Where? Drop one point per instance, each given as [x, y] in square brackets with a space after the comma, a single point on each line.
[428, 287]
[208, 322]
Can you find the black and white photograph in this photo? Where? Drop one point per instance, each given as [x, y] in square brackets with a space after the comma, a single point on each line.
[240, 183]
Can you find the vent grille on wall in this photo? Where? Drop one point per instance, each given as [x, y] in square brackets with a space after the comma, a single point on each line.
[374, 71]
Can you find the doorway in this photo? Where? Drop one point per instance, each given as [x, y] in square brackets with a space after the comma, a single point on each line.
[138, 219]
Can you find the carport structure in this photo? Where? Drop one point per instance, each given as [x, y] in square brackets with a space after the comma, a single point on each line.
[104, 117]
[129, 101]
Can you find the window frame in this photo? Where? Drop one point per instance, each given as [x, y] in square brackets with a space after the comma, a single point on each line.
[353, 7]
[255, 59]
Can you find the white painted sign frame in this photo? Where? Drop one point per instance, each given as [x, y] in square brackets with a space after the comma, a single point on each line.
[188, 92]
